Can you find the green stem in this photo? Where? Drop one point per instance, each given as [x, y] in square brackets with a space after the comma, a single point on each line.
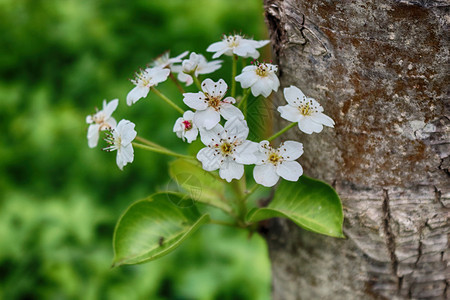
[196, 81]
[282, 131]
[240, 201]
[149, 143]
[168, 101]
[233, 75]
[177, 83]
[162, 151]
[217, 222]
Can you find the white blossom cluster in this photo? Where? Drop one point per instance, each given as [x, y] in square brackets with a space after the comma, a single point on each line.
[227, 148]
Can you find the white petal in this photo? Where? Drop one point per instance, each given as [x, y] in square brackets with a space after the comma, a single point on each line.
[274, 81]
[215, 89]
[119, 161]
[263, 43]
[124, 156]
[265, 175]
[127, 153]
[260, 157]
[125, 129]
[187, 79]
[209, 137]
[309, 126]
[260, 87]
[195, 100]
[188, 115]
[220, 52]
[236, 128]
[178, 58]
[110, 108]
[159, 75]
[230, 170]
[137, 93]
[245, 153]
[208, 86]
[247, 79]
[209, 160]
[178, 125]
[93, 135]
[293, 94]
[290, 170]
[217, 46]
[291, 150]
[111, 122]
[254, 54]
[191, 135]
[323, 119]
[244, 49]
[229, 111]
[289, 113]
[208, 67]
[207, 118]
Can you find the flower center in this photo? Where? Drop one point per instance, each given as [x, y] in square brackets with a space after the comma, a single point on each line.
[262, 70]
[305, 110]
[232, 40]
[214, 102]
[142, 78]
[274, 158]
[226, 148]
[114, 143]
[187, 125]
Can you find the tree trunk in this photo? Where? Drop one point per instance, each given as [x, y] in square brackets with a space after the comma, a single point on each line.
[380, 69]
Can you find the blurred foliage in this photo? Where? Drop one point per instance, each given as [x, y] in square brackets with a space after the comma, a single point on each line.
[59, 200]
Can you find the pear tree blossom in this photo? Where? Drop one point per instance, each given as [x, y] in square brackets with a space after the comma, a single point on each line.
[120, 139]
[164, 60]
[197, 64]
[210, 104]
[306, 111]
[260, 77]
[238, 45]
[144, 80]
[100, 121]
[271, 163]
[227, 149]
[185, 127]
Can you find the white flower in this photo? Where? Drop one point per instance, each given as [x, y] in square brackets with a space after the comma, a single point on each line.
[101, 120]
[164, 60]
[209, 104]
[272, 163]
[260, 77]
[227, 149]
[198, 64]
[236, 44]
[185, 127]
[144, 80]
[306, 111]
[120, 139]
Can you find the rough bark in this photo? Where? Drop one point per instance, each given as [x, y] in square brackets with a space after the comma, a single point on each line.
[380, 69]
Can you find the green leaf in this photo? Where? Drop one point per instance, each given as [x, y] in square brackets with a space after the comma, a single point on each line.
[259, 112]
[200, 185]
[310, 203]
[153, 227]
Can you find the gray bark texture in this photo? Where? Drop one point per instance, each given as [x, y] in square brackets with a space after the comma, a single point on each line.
[380, 70]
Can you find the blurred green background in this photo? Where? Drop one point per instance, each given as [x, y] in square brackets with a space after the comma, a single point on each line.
[60, 200]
